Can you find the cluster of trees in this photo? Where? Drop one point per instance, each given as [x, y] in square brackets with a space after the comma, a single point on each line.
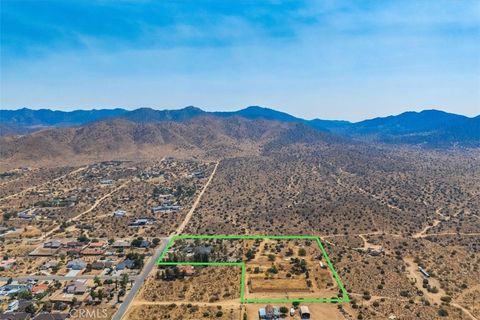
[170, 274]
[83, 238]
[137, 242]
[273, 269]
[123, 287]
[175, 256]
[137, 259]
[299, 266]
[250, 255]
[158, 190]
[182, 191]
[54, 203]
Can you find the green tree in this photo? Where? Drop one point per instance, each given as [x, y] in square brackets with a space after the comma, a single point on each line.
[83, 238]
[30, 309]
[443, 313]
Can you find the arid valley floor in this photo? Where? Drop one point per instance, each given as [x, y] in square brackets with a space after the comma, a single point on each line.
[87, 237]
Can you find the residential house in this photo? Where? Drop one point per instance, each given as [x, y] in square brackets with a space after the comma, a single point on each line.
[141, 222]
[102, 264]
[40, 288]
[7, 264]
[25, 215]
[144, 244]
[74, 252]
[15, 316]
[14, 287]
[119, 214]
[49, 265]
[84, 226]
[92, 251]
[187, 270]
[269, 312]
[76, 264]
[375, 252]
[98, 244]
[140, 243]
[205, 250]
[75, 244]
[165, 208]
[52, 244]
[127, 263]
[76, 287]
[109, 289]
[120, 245]
[198, 174]
[22, 304]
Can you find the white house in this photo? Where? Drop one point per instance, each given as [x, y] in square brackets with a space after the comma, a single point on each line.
[119, 213]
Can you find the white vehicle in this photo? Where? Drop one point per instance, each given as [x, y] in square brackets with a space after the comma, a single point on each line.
[12, 306]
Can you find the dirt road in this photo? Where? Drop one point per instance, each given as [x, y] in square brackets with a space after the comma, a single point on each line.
[95, 204]
[197, 201]
[412, 269]
[42, 184]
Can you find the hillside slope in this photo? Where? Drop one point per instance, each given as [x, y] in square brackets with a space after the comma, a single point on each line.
[119, 138]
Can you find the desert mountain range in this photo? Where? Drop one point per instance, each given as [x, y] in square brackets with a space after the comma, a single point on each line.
[45, 135]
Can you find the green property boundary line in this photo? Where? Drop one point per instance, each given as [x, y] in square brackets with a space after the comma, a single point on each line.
[345, 297]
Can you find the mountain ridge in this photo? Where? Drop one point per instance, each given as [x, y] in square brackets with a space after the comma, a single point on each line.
[205, 136]
[432, 128]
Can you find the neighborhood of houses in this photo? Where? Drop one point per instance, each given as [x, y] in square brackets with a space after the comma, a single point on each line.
[74, 273]
[53, 299]
[81, 256]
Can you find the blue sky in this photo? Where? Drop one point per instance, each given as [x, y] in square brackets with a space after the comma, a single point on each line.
[327, 59]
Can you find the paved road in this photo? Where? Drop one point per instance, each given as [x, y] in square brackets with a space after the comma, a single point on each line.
[146, 270]
[139, 281]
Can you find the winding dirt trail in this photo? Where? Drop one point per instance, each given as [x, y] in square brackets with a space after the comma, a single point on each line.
[436, 222]
[95, 204]
[42, 184]
[412, 269]
[367, 245]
